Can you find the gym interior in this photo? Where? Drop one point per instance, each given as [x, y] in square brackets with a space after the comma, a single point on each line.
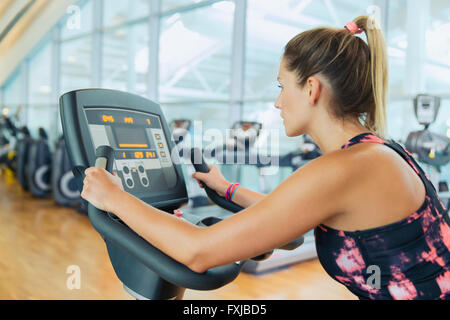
[123, 83]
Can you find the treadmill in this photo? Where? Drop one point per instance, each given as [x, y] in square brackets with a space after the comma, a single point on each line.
[128, 134]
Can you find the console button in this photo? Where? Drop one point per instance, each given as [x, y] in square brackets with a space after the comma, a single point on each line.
[126, 170]
[130, 182]
[141, 169]
[144, 181]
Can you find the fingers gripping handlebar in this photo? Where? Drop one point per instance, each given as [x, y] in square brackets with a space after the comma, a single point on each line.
[200, 165]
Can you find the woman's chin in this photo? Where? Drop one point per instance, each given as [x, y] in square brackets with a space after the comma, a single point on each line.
[288, 133]
[292, 133]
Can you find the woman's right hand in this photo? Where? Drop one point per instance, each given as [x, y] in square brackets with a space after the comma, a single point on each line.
[213, 179]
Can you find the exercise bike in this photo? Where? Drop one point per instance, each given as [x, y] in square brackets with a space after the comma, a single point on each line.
[8, 152]
[128, 134]
[39, 164]
[7, 139]
[21, 157]
[64, 185]
[430, 148]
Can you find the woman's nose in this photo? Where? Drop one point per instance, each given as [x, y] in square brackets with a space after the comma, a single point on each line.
[278, 103]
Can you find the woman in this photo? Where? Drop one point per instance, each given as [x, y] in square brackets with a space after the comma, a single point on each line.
[372, 206]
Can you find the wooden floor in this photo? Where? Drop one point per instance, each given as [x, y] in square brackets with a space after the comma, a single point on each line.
[39, 241]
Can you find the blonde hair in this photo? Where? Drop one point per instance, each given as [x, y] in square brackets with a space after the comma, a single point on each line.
[357, 71]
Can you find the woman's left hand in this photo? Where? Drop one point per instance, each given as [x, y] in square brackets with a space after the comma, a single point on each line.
[101, 188]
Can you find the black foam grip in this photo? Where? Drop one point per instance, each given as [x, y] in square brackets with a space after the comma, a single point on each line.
[108, 153]
[196, 156]
[200, 166]
[293, 244]
[79, 175]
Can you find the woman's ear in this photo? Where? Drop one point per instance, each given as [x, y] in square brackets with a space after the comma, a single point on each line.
[314, 87]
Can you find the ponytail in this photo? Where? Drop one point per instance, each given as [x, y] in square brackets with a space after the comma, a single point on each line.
[376, 118]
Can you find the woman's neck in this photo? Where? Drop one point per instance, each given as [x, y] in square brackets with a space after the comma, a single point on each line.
[333, 136]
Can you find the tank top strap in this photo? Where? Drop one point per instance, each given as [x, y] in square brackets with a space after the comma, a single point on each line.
[363, 138]
[431, 190]
[370, 137]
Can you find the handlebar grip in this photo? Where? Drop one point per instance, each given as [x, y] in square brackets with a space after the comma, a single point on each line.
[78, 173]
[293, 244]
[263, 256]
[196, 154]
[105, 159]
[200, 165]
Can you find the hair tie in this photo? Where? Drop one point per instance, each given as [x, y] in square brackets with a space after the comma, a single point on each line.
[353, 28]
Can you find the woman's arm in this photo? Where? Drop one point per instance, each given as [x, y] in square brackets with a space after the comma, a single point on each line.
[246, 197]
[214, 179]
[309, 196]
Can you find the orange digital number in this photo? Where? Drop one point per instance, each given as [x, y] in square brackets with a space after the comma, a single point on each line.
[128, 120]
[124, 155]
[139, 155]
[149, 122]
[107, 118]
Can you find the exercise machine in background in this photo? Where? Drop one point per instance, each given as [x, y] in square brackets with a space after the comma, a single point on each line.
[430, 148]
[39, 164]
[180, 128]
[239, 144]
[8, 133]
[239, 151]
[64, 184]
[22, 151]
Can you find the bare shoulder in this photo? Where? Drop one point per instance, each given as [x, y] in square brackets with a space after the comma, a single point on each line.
[378, 162]
[383, 188]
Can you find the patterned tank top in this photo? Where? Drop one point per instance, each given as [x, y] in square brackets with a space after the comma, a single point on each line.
[408, 259]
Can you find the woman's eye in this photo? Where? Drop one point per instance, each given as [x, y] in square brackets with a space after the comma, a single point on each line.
[280, 87]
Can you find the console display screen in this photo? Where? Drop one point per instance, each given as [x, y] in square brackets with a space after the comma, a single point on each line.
[141, 150]
[127, 137]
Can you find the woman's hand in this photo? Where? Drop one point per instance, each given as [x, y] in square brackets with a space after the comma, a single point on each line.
[100, 188]
[213, 179]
